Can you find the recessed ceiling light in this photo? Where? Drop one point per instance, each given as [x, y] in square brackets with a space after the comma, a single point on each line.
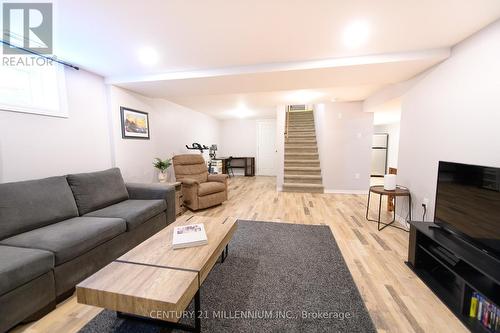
[356, 33]
[242, 111]
[148, 56]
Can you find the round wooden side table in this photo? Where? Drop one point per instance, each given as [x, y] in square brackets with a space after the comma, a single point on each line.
[398, 192]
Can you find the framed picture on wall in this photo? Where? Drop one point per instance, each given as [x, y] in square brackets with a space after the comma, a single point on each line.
[135, 124]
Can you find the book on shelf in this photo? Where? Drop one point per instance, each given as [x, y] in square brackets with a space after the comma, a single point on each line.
[473, 306]
[189, 236]
[484, 311]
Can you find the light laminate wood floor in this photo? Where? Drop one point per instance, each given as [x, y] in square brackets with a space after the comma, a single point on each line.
[396, 299]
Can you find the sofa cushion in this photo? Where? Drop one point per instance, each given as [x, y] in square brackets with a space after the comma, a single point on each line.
[210, 187]
[70, 238]
[20, 265]
[32, 204]
[96, 190]
[134, 212]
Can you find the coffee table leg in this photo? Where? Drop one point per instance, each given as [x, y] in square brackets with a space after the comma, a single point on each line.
[224, 254]
[167, 324]
[197, 311]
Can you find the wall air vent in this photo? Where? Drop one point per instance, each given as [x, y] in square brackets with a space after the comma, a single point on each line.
[301, 107]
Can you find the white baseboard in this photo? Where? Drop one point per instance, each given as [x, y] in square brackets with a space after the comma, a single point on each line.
[402, 221]
[280, 189]
[346, 191]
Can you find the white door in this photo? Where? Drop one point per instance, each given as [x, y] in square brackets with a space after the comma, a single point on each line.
[266, 148]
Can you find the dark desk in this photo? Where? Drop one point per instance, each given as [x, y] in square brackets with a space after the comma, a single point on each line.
[246, 163]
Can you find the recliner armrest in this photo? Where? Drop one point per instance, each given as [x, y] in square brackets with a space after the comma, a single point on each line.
[189, 181]
[221, 178]
[139, 191]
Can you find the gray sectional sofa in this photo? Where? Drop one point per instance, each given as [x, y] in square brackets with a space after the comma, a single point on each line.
[55, 232]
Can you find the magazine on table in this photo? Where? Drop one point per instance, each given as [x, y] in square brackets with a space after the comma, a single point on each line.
[189, 235]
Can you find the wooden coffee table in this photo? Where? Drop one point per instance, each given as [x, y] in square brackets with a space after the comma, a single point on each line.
[155, 283]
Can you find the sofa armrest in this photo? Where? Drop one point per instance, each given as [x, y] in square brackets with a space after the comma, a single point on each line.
[221, 178]
[138, 191]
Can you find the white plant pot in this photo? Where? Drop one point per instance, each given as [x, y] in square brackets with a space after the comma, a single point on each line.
[162, 177]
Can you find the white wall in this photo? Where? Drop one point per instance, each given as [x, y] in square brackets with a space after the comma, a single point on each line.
[179, 126]
[387, 96]
[34, 146]
[452, 114]
[171, 127]
[393, 144]
[344, 134]
[132, 156]
[238, 137]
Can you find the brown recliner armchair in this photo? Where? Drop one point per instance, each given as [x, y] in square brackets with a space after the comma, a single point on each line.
[200, 190]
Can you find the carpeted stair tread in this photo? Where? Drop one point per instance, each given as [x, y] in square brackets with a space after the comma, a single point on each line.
[302, 166]
[293, 176]
[302, 169]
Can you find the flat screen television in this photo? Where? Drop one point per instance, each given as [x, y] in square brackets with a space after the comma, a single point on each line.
[468, 204]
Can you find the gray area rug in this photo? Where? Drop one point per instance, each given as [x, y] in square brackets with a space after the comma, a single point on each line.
[281, 277]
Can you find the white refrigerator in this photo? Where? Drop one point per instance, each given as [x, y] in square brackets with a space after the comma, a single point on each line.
[379, 154]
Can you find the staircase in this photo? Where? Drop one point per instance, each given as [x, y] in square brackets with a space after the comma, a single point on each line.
[302, 169]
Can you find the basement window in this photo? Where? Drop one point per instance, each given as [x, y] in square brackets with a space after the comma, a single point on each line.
[33, 89]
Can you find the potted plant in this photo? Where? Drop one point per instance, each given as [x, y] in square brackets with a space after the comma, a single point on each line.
[162, 166]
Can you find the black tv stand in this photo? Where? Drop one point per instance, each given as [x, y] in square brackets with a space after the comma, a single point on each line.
[439, 227]
[453, 269]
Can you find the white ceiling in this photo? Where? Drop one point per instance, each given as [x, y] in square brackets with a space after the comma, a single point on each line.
[250, 51]
[221, 95]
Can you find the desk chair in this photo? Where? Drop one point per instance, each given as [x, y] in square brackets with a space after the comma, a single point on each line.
[210, 167]
[229, 168]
